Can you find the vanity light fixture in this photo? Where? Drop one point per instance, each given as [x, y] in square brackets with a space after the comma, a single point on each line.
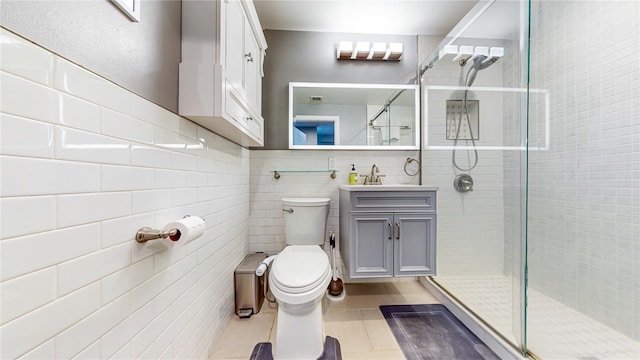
[378, 50]
[394, 52]
[362, 50]
[369, 51]
[345, 49]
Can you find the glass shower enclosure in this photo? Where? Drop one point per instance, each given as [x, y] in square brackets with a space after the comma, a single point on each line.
[536, 153]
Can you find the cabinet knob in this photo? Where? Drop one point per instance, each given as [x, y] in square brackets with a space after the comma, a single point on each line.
[249, 118]
[249, 57]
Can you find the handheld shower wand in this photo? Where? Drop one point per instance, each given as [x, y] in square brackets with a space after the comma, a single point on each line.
[480, 61]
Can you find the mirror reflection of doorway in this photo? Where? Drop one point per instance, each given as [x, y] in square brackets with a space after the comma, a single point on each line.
[316, 130]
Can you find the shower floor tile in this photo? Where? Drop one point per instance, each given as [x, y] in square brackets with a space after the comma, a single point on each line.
[555, 331]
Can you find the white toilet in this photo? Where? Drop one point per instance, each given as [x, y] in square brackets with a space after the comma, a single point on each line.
[299, 277]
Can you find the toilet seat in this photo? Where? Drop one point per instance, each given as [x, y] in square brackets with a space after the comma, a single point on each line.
[300, 268]
[299, 272]
[305, 201]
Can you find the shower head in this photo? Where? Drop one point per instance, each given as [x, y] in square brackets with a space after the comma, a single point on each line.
[482, 62]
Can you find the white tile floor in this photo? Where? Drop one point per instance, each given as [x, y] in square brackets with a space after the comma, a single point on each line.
[356, 322]
[555, 331]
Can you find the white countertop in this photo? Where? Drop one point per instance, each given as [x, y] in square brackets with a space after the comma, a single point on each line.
[389, 187]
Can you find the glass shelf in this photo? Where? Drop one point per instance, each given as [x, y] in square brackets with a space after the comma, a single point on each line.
[276, 173]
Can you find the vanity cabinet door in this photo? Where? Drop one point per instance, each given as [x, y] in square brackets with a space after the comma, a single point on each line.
[372, 245]
[414, 244]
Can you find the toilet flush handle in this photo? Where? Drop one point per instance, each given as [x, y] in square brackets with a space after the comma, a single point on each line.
[290, 211]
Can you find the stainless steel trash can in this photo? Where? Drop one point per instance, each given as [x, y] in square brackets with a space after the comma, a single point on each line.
[249, 287]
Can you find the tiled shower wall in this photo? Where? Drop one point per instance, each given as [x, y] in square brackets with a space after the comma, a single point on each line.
[85, 164]
[584, 194]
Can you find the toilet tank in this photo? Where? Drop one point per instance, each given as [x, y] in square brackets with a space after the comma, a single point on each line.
[305, 220]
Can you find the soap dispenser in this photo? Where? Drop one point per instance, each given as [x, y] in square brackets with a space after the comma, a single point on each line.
[353, 175]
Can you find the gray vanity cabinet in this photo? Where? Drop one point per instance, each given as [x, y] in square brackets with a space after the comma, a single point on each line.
[388, 233]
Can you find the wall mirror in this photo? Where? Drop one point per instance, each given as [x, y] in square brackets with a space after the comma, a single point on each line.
[353, 116]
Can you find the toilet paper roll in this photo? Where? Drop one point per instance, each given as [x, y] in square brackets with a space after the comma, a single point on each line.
[189, 228]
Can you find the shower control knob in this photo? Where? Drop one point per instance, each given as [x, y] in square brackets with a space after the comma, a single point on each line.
[463, 183]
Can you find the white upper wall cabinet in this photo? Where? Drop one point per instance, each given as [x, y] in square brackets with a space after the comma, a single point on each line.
[223, 49]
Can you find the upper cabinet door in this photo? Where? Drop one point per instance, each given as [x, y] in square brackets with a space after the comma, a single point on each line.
[252, 63]
[235, 37]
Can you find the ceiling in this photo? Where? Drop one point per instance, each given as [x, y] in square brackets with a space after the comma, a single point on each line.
[393, 17]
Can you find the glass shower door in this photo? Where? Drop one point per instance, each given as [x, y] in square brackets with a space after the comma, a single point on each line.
[583, 208]
[475, 129]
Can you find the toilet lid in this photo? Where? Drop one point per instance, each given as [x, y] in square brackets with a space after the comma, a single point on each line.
[300, 268]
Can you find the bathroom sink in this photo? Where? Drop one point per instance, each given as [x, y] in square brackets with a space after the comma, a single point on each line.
[389, 187]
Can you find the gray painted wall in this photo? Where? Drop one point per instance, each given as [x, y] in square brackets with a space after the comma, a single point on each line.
[311, 57]
[141, 57]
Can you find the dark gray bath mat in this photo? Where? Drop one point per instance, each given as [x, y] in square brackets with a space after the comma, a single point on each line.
[431, 332]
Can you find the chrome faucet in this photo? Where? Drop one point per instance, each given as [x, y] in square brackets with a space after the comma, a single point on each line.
[374, 171]
[374, 178]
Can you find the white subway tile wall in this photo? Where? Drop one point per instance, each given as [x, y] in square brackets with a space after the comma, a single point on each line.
[85, 164]
[30, 138]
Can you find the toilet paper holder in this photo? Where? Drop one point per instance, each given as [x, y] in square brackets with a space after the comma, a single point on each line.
[146, 233]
